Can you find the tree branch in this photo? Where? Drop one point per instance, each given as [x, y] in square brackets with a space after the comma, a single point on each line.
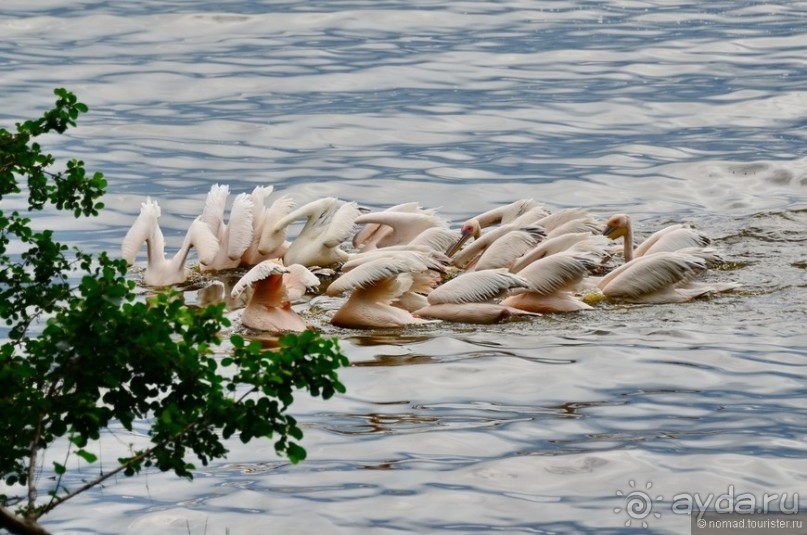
[32, 465]
[19, 525]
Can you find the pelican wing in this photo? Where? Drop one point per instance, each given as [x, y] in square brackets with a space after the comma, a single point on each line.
[239, 228]
[341, 225]
[203, 240]
[259, 195]
[472, 251]
[552, 221]
[434, 260]
[549, 247]
[298, 280]
[652, 273]
[506, 213]
[576, 226]
[672, 238]
[373, 272]
[366, 234]
[504, 251]
[476, 287]
[437, 238]
[142, 229]
[272, 235]
[405, 225]
[213, 213]
[263, 270]
[556, 272]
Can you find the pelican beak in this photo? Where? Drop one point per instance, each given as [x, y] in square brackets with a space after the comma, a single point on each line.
[451, 251]
[613, 232]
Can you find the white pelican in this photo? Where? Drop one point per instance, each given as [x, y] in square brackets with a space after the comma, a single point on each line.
[159, 270]
[471, 254]
[436, 238]
[502, 215]
[236, 235]
[508, 248]
[521, 213]
[584, 224]
[269, 307]
[371, 234]
[398, 227]
[562, 217]
[268, 239]
[329, 222]
[671, 238]
[551, 282]
[469, 297]
[552, 246]
[663, 277]
[377, 284]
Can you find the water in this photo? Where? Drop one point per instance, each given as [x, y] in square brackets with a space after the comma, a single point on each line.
[675, 112]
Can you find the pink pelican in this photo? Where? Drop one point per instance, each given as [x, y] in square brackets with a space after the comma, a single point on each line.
[375, 285]
[269, 307]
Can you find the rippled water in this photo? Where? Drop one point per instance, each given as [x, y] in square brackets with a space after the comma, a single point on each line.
[672, 111]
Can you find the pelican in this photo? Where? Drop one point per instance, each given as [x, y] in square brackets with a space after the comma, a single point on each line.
[329, 222]
[562, 217]
[436, 238]
[389, 253]
[159, 270]
[236, 235]
[471, 254]
[398, 227]
[372, 233]
[517, 214]
[551, 282]
[508, 248]
[662, 277]
[584, 224]
[671, 238]
[269, 308]
[502, 215]
[298, 281]
[375, 285]
[268, 239]
[469, 297]
[549, 247]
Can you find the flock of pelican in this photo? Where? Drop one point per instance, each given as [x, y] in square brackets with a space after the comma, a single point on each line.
[405, 265]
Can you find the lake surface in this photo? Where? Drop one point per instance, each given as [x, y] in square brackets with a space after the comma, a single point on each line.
[671, 111]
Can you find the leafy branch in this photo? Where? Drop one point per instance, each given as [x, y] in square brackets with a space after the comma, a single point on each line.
[83, 355]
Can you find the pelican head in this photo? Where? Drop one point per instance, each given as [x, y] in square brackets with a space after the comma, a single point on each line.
[617, 226]
[470, 229]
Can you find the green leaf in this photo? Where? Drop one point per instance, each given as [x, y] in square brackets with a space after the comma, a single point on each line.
[87, 456]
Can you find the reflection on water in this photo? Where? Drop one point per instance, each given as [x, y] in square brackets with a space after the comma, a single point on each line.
[682, 112]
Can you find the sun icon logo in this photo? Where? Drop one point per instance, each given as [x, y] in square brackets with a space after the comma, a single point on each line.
[638, 504]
